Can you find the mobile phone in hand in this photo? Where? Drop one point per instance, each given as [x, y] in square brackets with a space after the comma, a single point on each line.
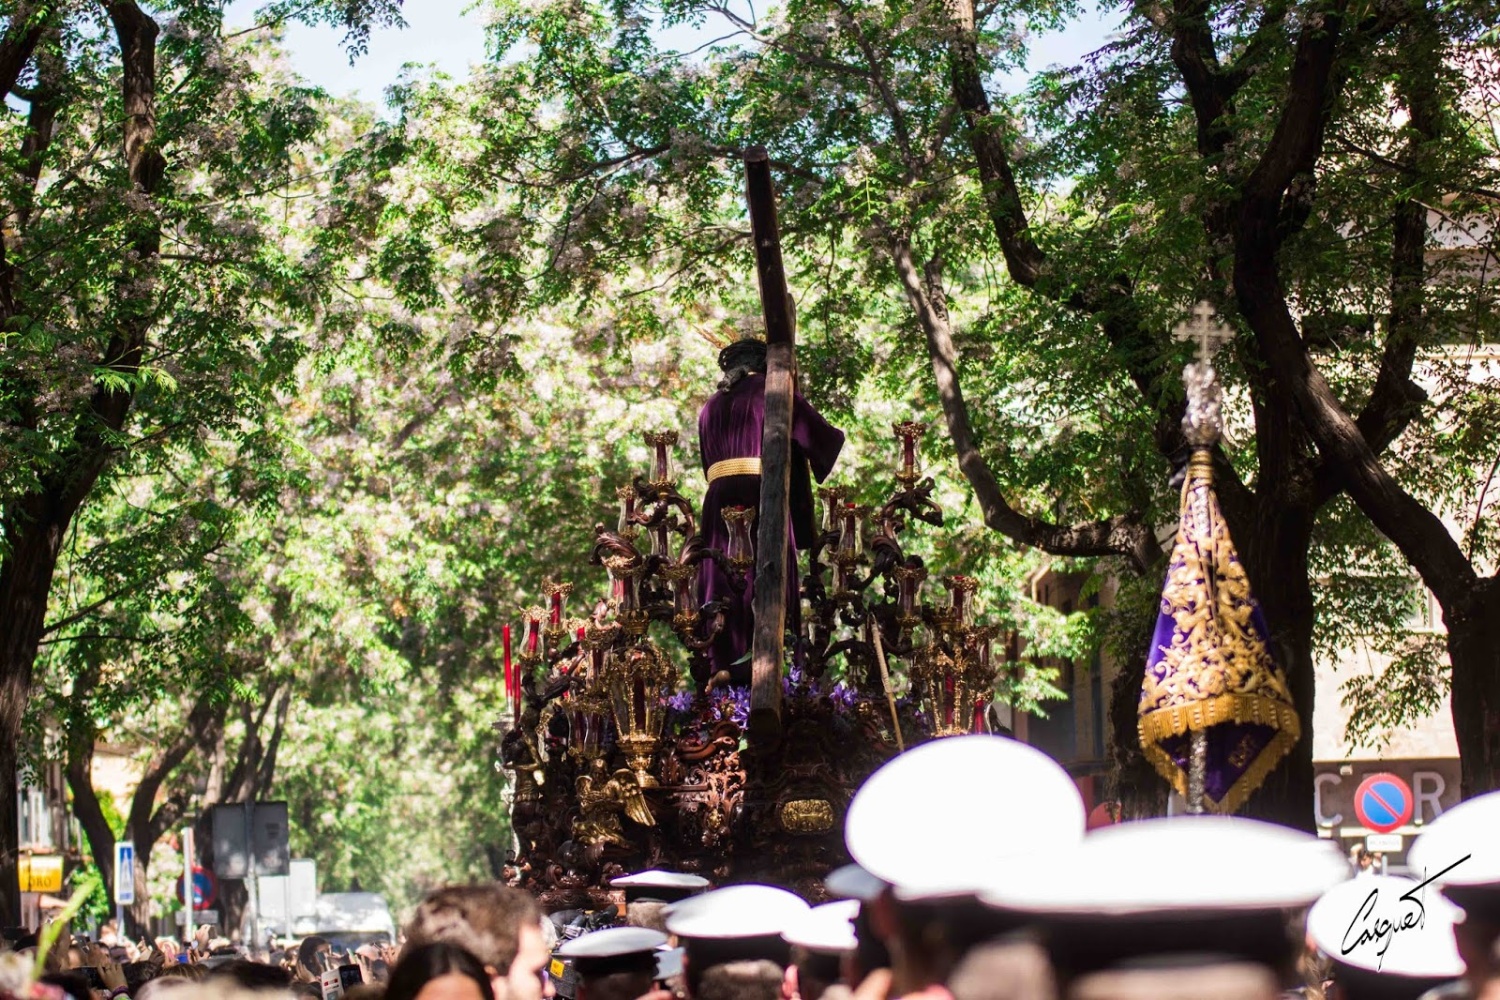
[350, 976]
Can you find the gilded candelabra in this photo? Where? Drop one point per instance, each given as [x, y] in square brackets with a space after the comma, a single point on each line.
[611, 677]
[874, 614]
[607, 678]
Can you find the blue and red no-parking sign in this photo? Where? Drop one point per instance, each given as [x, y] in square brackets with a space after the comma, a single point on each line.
[205, 888]
[1383, 802]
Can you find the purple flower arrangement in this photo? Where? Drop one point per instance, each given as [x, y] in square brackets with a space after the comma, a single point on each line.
[797, 684]
[733, 704]
[688, 710]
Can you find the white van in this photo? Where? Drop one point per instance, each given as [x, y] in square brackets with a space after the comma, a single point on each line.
[350, 919]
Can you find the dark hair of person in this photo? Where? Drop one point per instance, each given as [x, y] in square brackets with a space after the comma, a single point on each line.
[421, 965]
[485, 920]
[647, 913]
[816, 971]
[870, 953]
[191, 971]
[739, 359]
[307, 953]
[1009, 968]
[624, 984]
[253, 975]
[742, 979]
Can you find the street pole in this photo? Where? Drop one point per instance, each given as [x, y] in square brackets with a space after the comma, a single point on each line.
[187, 885]
[252, 878]
[1197, 772]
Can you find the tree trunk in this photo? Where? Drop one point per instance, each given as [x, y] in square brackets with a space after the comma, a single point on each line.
[1474, 651]
[10, 821]
[25, 580]
[1138, 788]
[90, 816]
[1275, 555]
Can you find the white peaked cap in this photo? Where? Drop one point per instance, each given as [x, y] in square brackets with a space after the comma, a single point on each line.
[853, 882]
[668, 963]
[655, 878]
[828, 929]
[1387, 924]
[613, 942]
[1461, 848]
[1176, 865]
[736, 911]
[942, 818]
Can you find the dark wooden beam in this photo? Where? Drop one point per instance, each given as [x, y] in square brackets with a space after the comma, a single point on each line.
[775, 453]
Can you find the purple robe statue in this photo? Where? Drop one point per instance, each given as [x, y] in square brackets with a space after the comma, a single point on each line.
[729, 428]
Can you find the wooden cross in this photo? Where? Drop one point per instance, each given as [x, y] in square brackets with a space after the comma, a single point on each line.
[775, 453]
[1204, 327]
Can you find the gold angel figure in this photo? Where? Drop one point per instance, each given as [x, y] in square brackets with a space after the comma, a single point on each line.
[601, 802]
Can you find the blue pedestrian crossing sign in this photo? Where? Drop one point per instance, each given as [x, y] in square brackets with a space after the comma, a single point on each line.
[124, 872]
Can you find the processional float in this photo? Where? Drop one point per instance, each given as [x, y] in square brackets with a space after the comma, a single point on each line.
[620, 761]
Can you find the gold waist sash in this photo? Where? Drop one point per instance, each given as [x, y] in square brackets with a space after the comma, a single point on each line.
[734, 467]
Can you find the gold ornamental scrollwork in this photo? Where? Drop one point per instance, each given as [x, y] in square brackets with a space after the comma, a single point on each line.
[807, 816]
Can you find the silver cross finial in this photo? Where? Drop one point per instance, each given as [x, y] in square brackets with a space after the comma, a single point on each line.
[1204, 327]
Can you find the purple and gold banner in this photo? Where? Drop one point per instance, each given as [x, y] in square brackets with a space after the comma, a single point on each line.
[1209, 668]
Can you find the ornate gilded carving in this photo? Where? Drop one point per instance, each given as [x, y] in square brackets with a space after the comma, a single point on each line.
[806, 816]
[601, 802]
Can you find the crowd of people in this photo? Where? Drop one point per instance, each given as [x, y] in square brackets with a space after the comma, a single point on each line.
[79, 967]
[953, 895]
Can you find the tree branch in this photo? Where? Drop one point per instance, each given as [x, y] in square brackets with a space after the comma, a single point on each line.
[21, 37]
[160, 767]
[136, 33]
[84, 612]
[1396, 398]
[1023, 258]
[78, 768]
[1123, 535]
[1298, 137]
[1197, 62]
[267, 770]
[241, 783]
[1266, 38]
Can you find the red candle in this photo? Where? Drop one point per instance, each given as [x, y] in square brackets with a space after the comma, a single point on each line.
[980, 704]
[557, 607]
[510, 674]
[627, 506]
[531, 636]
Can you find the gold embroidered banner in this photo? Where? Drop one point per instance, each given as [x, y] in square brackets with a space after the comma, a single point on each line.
[1210, 669]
